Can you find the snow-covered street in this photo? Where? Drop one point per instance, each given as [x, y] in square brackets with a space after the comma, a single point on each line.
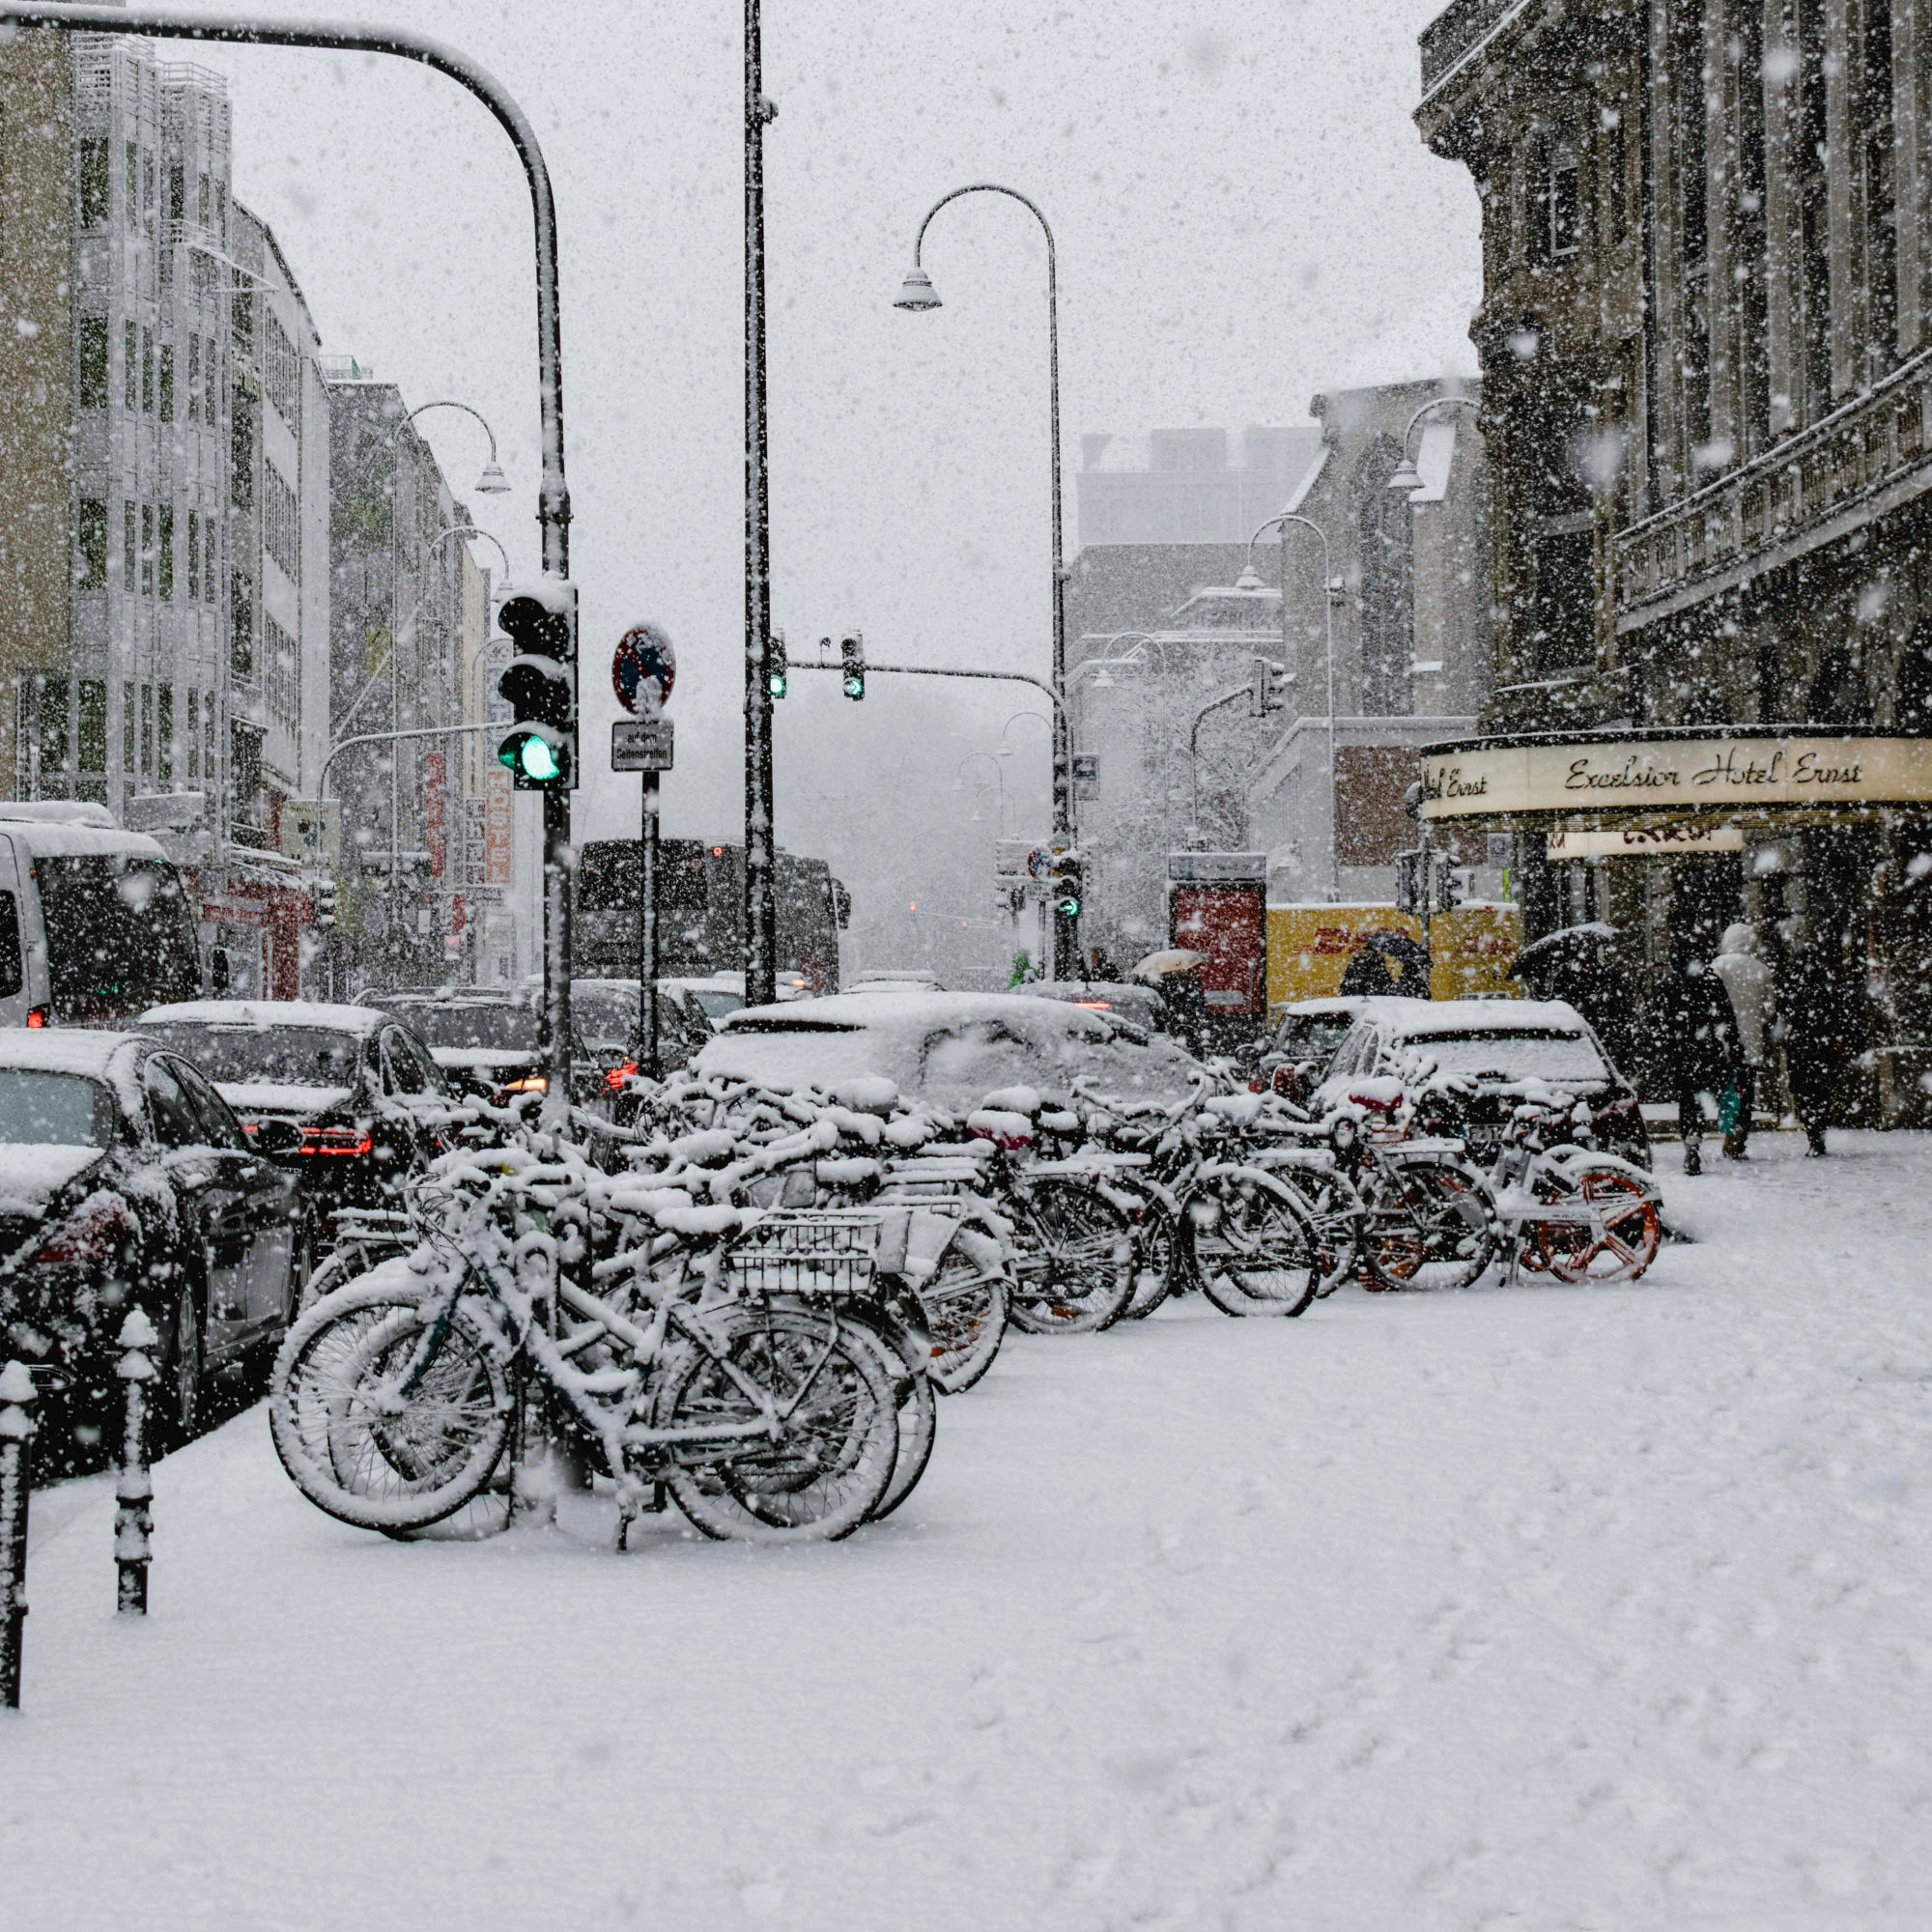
[1533, 1606]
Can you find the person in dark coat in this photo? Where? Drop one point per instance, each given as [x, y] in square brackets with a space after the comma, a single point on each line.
[1692, 1041]
[1183, 1010]
[1815, 1019]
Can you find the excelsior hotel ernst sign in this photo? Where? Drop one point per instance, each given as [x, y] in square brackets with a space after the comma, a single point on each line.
[1718, 775]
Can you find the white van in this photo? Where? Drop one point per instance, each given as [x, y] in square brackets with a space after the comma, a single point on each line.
[94, 926]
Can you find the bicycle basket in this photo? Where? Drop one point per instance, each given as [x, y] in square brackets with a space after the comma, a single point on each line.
[825, 1252]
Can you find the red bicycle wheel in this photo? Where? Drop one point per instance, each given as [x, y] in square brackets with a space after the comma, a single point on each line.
[1630, 1231]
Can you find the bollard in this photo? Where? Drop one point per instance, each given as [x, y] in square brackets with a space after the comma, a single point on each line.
[135, 1489]
[18, 1395]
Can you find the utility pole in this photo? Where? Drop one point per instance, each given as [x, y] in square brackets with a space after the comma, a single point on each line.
[761, 962]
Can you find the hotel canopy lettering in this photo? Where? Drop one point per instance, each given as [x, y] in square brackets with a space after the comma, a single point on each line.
[1733, 775]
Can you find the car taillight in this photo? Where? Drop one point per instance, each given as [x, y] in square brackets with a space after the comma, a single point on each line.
[616, 1076]
[37, 1016]
[95, 1235]
[336, 1140]
[530, 1083]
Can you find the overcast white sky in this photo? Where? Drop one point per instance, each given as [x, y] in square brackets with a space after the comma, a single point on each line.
[1244, 215]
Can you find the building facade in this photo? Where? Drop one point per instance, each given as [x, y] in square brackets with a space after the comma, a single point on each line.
[1706, 336]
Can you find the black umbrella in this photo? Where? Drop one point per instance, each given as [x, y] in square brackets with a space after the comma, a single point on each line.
[1387, 963]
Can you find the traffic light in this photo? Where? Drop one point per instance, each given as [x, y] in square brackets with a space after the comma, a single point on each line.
[853, 650]
[775, 663]
[1270, 691]
[540, 687]
[326, 896]
[1451, 882]
[1067, 879]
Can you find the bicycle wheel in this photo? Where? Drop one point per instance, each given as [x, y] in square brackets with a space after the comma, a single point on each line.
[1075, 1272]
[1259, 1256]
[1629, 1241]
[1153, 1262]
[1335, 1212]
[353, 1443]
[833, 1459]
[919, 1406]
[1428, 1223]
[965, 1310]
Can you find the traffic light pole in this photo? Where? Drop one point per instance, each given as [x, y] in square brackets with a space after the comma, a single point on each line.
[761, 952]
[554, 493]
[649, 1059]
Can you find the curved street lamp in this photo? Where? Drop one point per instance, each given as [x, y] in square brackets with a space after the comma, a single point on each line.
[918, 295]
[1407, 479]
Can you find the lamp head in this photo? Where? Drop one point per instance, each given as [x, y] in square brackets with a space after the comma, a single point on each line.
[1406, 481]
[1248, 580]
[1103, 681]
[916, 291]
[493, 482]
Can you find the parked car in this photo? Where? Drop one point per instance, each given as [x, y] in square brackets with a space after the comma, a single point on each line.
[948, 1048]
[1496, 1045]
[126, 1181]
[483, 1038]
[894, 979]
[366, 1103]
[605, 1015]
[1136, 1004]
[1294, 1059]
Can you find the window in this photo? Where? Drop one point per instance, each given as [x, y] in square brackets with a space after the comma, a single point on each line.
[167, 381]
[282, 369]
[131, 369]
[148, 188]
[1387, 600]
[94, 181]
[1556, 210]
[241, 626]
[1566, 600]
[203, 205]
[53, 700]
[242, 451]
[207, 561]
[177, 191]
[130, 548]
[167, 550]
[133, 186]
[193, 378]
[1746, 44]
[91, 543]
[1880, 187]
[147, 728]
[165, 732]
[281, 523]
[193, 735]
[280, 651]
[147, 372]
[127, 727]
[92, 371]
[1694, 220]
[12, 975]
[1616, 172]
[193, 556]
[221, 211]
[208, 736]
[1814, 209]
[147, 549]
[176, 1122]
[92, 725]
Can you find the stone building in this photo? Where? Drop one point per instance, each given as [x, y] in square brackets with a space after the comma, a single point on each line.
[1706, 337]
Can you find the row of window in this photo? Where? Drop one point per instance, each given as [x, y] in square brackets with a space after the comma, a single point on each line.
[147, 373]
[148, 549]
[95, 184]
[283, 696]
[70, 729]
[281, 523]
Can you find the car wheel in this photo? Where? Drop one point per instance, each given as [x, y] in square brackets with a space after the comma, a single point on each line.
[185, 1340]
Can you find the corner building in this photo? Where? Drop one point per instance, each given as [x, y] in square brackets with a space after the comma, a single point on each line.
[1706, 342]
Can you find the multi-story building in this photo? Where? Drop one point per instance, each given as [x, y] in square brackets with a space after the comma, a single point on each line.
[1706, 336]
[116, 501]
[1160, 630]
[408, 612]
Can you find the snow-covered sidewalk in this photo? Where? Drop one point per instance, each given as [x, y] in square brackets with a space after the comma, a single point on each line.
[1537, 1607]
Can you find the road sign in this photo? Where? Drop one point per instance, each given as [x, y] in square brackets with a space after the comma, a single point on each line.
[1023, 859]
[640, 745]
[1086, 768]
[642, 670]
[1218, 867]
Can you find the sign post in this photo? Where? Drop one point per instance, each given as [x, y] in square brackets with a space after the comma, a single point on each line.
[642, 670]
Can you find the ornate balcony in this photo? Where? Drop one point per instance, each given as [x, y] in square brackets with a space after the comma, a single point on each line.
[1869, 457]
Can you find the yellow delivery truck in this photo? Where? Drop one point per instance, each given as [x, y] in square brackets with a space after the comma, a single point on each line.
[1309, 948]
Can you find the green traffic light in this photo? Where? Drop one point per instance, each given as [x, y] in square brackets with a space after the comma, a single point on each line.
[539, 761]
[1069, 908]
[775, 684]
[854, 684]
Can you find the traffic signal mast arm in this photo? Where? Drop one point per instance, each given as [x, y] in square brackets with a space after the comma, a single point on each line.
[933, 670]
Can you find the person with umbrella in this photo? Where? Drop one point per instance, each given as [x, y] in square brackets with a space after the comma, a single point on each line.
[1817, 1029]
[1692, 1033]
[1747, 981]
[1184, 1006]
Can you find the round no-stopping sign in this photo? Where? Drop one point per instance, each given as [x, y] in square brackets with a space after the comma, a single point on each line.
[642, 669]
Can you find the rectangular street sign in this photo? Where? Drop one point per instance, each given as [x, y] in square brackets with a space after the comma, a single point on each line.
[1219, 868]
[640, 745]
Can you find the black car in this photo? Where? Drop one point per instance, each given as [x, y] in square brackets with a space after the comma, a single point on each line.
[362, 1102]
[483, 1038]
[126, 1181]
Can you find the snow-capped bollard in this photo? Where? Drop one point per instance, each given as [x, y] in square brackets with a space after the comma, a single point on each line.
[18, 1395]
[135, 1490]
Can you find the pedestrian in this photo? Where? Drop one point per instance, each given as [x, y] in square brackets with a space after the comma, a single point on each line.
[1183, 1010]
[1814, 1019]
[1748, 983]
[1690, 1030]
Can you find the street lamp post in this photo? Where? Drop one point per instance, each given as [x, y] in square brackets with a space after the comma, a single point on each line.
[1247, 580]
[1407, 479]
[918, 294]
[552, 492]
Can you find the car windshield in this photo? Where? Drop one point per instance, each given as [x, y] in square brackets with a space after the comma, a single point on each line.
[53, 1110]
[279, 1056]
[491, 1027]
[1313, 1035]
[1538, 1053]
[719, 1000]
[603, 1012]
[119, 936]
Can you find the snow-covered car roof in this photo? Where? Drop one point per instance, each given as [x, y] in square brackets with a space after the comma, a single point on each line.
[266, 1014]
[65, 1050]
[43, 841]
[949, 1047]
[1351, 1004]
[1429, 1019]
